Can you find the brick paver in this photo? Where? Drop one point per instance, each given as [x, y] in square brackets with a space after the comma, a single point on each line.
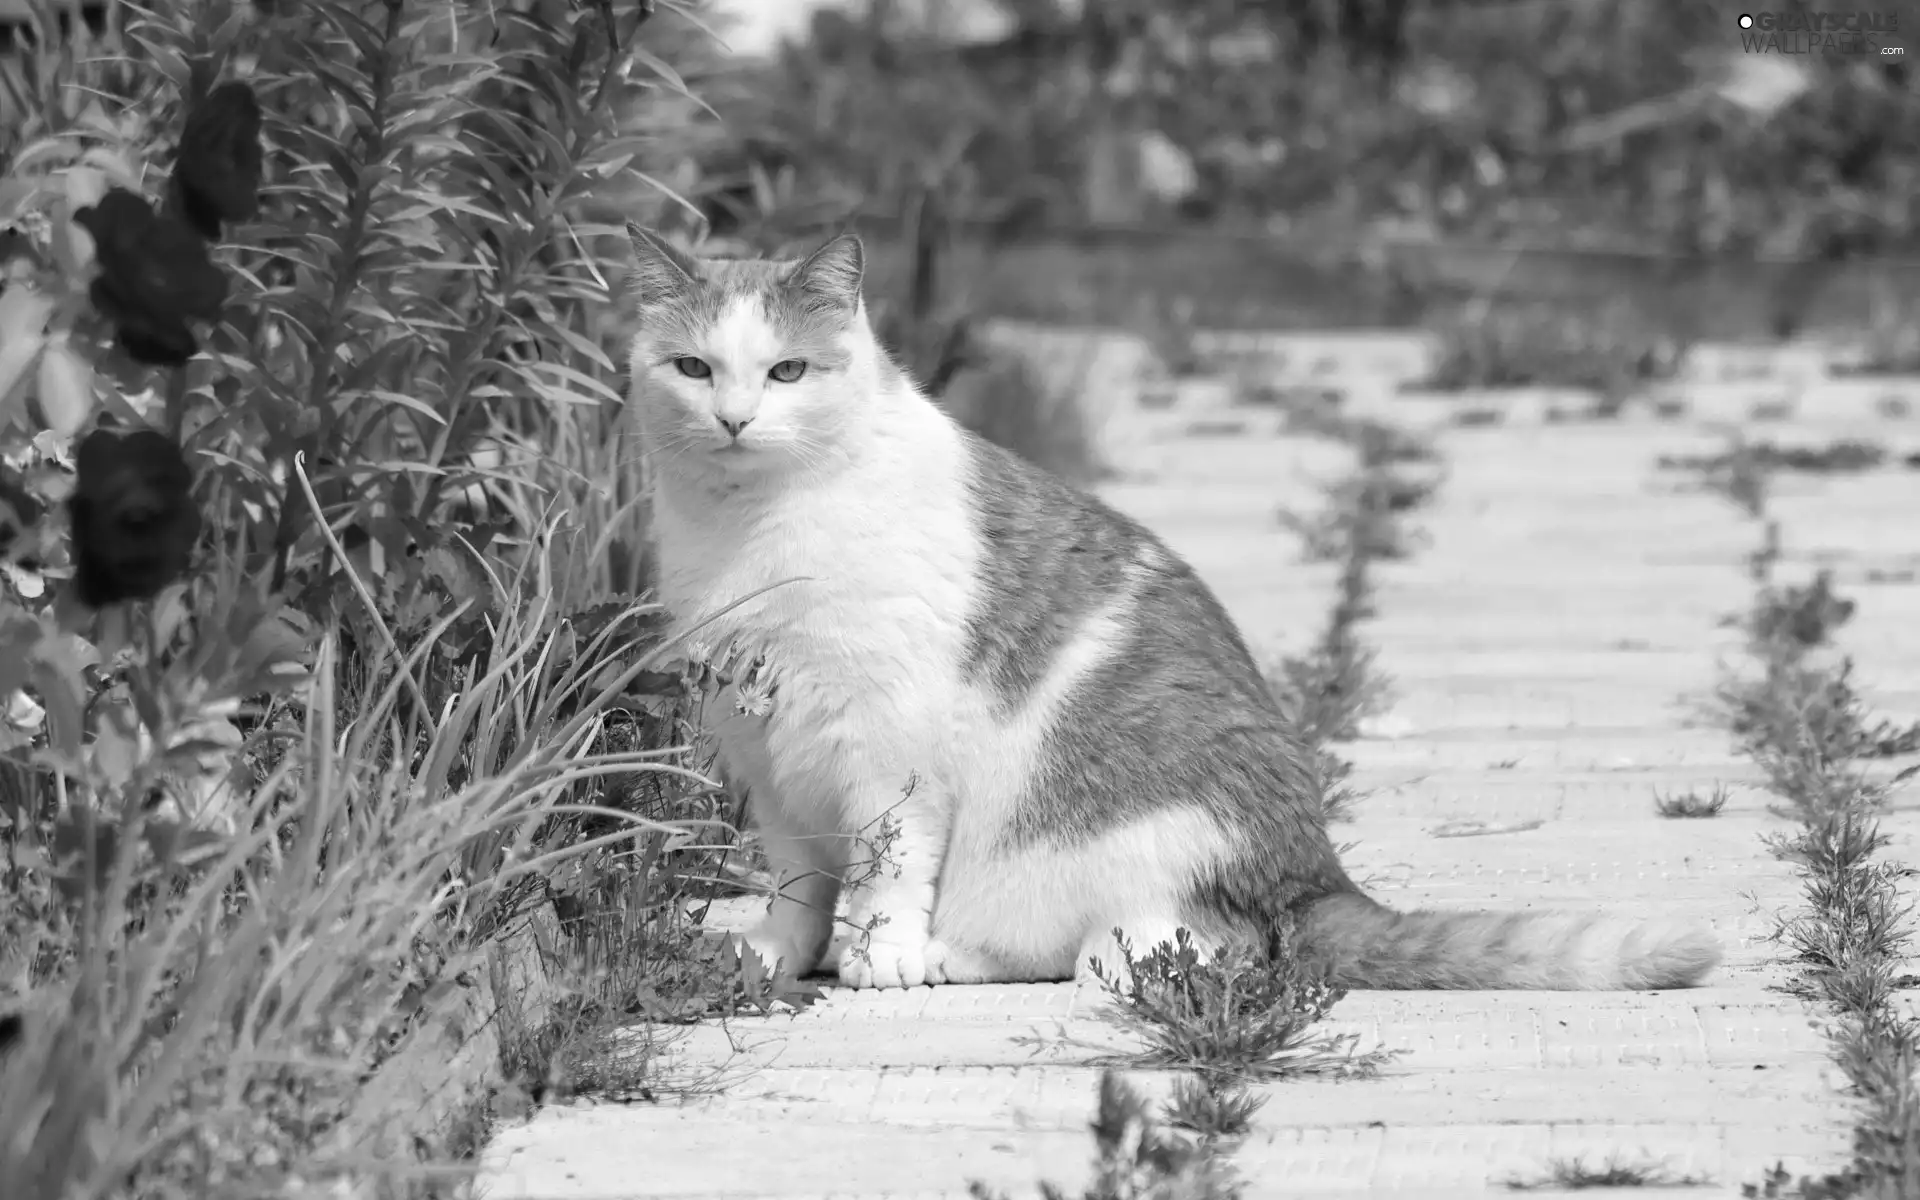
[1540, 645]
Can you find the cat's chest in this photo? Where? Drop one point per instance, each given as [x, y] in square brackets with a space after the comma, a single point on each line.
[836, 575]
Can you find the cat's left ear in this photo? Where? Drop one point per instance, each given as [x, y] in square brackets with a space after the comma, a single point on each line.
[833, 272]
[660, 270]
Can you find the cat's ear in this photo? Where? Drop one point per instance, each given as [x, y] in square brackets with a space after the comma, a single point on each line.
[659, 269]
[833, 272]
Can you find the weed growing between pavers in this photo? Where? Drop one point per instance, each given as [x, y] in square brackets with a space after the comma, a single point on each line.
[1739, 473]
[1574, 1175]
[1213, 1106]
[1801, 720]
[1802, 723]
[1136, 1158]
[1327, 692]
[1242, 1012]
[1691, 804]
[1804, 615]
[1358, 519]
[1839, 457]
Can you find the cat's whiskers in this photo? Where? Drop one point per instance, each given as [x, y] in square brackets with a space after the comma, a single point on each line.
[668, 446]
[811, 451]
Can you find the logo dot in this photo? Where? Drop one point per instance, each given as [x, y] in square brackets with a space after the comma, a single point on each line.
[1746, 21]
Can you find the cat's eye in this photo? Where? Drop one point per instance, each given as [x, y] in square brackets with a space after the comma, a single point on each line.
[693, 368]
[787, 370]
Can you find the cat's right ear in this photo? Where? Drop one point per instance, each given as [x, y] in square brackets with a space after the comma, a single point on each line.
[660, 271]
[833, 271]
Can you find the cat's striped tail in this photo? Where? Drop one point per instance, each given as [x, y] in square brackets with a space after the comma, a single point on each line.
[1372, 946]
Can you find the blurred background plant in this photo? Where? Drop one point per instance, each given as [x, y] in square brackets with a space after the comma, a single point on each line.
[1276, 163]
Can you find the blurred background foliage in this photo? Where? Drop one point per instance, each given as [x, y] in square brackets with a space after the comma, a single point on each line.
[1604, 121]
[1241, 155]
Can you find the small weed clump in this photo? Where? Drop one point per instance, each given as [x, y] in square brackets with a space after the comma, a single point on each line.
[1691, 804]
[1241, 1012]
[1574, 1175]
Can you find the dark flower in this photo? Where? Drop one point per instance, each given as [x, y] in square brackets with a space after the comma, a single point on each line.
[154, 275]
[19, 512]
[134, 523]
[16, 501]
[217, 174]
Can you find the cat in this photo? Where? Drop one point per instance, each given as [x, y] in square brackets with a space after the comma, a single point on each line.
[999, 716]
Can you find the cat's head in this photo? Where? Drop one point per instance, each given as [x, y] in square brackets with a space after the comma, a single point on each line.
[748, 363]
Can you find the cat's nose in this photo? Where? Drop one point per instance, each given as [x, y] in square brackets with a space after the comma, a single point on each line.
[733, 428]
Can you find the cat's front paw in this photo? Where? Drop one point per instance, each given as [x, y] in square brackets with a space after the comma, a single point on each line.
[878, 962]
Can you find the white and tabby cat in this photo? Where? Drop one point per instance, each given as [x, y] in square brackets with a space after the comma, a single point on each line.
[1056, 722]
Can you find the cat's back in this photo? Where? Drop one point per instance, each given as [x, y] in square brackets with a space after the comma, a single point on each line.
[1121, 692]
[1057, 564]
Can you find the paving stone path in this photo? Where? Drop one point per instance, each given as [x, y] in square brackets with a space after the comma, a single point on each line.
[1539, 644]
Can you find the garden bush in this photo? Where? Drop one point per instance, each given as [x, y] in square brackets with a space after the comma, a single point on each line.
[309, 767]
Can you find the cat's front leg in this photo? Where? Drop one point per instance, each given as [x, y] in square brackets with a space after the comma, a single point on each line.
[806, 870]
[890, 890]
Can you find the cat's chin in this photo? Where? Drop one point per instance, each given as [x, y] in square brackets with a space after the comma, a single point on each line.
[739, 456]
[751, 458]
